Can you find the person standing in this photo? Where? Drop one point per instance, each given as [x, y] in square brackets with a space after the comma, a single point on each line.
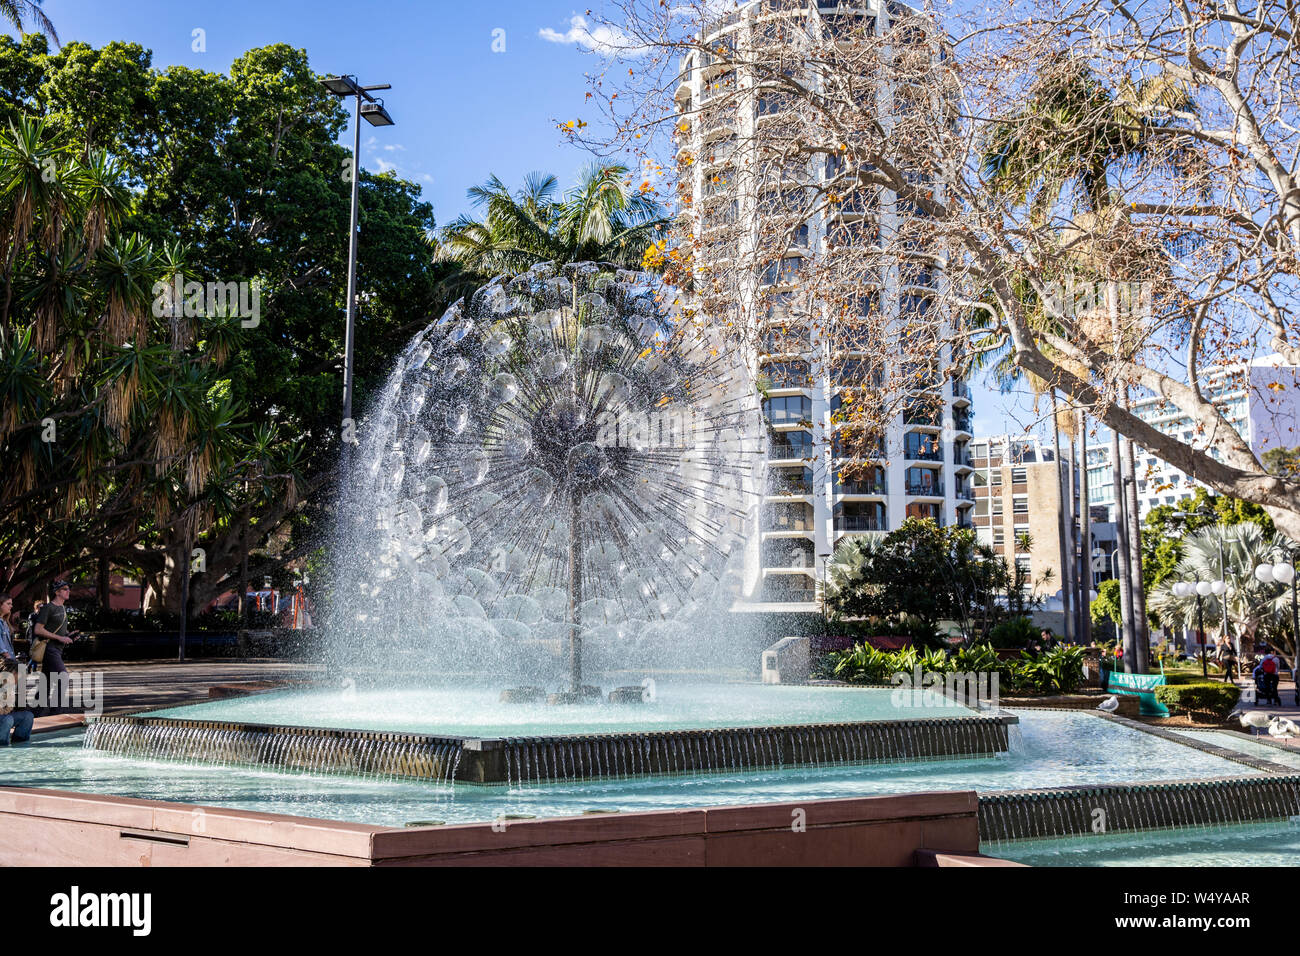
[1267, 677]
[52, 626]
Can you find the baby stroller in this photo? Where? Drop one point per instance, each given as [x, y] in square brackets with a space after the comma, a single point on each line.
[1266, 681]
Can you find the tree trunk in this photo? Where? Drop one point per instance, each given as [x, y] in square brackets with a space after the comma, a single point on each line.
[1085, 534]
[1062, 524]
[1122, 552]
[185, 597]
[243, 569]
[102, 584]
[1140, 627]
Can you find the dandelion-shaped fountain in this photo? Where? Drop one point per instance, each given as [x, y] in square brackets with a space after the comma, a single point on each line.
[560, 460]
[562, 469]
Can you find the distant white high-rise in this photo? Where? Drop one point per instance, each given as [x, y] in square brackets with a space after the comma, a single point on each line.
[814, 498]
[1261, 401]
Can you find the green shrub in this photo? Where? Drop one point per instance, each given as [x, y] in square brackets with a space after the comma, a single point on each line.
[1184, 677]
[1205, 697]
[1057, 671]
[1013, 632]
[977, 657]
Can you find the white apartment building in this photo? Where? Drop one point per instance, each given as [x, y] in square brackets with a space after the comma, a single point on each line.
[1261, 401]
[921, 466]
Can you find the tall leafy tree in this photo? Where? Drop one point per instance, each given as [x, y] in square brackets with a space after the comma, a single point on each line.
[1167, 527]
[920, 570]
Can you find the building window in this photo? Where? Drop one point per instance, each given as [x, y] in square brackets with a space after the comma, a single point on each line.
[788, 517]
[1020, 505]
[995, 477]
[789, 410]
[1019, 476]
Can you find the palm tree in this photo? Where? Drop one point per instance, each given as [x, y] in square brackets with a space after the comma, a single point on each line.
[1073, 133]
[21, 12]
[1231, 553]
[601, 219]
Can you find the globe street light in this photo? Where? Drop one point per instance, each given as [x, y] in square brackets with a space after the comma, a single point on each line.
[1185, 589]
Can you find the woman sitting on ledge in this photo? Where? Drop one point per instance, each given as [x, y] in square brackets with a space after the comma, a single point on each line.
[19, 720]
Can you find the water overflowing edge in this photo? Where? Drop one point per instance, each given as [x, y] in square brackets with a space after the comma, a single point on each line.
[525, 759]
[1103, 809]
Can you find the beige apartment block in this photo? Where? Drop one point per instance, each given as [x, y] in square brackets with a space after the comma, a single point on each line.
[1017, 484]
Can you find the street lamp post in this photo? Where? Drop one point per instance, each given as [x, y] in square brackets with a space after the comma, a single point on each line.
[1218, 588]
[1185, 589]
[826, 625]
[373, 112]
[1119, 639]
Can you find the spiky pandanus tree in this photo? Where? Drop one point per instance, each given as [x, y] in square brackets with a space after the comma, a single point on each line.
[114, 421]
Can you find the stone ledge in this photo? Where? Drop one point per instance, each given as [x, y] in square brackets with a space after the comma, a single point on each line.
[943, 858]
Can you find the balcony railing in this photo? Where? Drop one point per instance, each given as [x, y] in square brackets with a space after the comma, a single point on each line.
[788, 557]
[787, 374]
[790, 596]
[789, 343]
[966, 494]
[924, 452]
[961, 456]
[933, 489]
[865, 487]
[789, 486]
[962, 423]
[799, 525]
[859, 523]
[960, 389]
[787, 449]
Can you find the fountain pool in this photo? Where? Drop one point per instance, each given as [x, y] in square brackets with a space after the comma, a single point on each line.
[1051, 749]
[478, 711]
[1251, 844]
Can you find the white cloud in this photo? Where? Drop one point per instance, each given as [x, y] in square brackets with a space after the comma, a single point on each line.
[384, 165]
[603, 39]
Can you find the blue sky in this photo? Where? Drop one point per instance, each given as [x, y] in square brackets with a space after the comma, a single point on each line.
[462, 110]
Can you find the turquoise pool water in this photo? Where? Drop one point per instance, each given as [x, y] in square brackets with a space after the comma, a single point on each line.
[1050, 749]
[478, 712]
[1253, 844]
[1219, 738]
